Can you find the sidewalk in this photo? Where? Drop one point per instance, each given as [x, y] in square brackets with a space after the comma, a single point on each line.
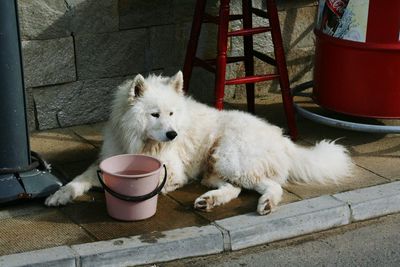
[84, 230]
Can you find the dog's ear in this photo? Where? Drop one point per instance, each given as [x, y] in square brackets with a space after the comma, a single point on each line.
[176, 82]
[137, 88]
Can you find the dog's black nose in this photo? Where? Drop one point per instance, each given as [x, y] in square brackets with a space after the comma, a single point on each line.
[171, 135]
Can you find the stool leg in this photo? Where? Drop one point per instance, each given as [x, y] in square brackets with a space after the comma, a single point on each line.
[222, 44]
[248, 54]
[193, 42]
[287, 97]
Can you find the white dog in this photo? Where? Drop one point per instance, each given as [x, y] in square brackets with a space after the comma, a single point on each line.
[230, 150]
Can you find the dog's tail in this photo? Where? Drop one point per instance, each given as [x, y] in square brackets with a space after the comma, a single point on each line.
[324, 163]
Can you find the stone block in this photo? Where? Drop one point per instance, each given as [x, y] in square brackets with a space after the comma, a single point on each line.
[297, 25]
[166, 46]
[75, 103]
[373, 201]
[299, 64]
[288, 221]
[93, 16]
[48, 61]
[207, 47]
[183, 10]
[30, 110]
[45, 19]
[138, 13]
[285, 4]
[296, 28]
[111, 54]
[202, 86]
[58, 256]
[152, 247]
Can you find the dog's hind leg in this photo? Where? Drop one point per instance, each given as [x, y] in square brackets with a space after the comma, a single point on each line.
[271, 194]
[225, 193]
[77, 187]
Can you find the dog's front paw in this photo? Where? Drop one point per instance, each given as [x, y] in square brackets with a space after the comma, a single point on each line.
[204, 203]
[265, 207]
[170, 187]
[63, 196]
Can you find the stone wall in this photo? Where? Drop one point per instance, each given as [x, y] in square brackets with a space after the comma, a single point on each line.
[77, 52]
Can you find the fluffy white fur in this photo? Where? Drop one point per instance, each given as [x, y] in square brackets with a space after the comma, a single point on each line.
[229, 150]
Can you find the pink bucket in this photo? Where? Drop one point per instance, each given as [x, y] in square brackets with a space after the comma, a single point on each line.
[131, 185]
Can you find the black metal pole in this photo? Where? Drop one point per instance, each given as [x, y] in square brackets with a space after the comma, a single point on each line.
[19, 177]
[14, 136]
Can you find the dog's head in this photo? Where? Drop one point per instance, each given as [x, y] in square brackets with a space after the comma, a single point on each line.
[156, 106]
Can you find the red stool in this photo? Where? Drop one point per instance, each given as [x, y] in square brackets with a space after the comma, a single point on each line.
[218, 65]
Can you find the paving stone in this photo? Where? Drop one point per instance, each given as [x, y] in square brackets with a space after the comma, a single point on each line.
[312, 131]
[378, 145]
[137, 13]
[62, 256]
[360, 178]
[91, 214]
[111, 54]
[93, 16]
[31, 208]
[373, 201]
[386, 166]
[75, 103]
[288, 221]
[91, 133]
[382, 156]
[61, 146]
[66, 171]
[152, 247]
[48, 61]
[246, 202]
[378, 153]
[37, 231]
[45, 19]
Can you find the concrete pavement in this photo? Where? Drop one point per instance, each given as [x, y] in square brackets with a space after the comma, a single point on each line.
[82, 234]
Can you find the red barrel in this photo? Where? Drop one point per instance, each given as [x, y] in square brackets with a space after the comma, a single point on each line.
[357, 70]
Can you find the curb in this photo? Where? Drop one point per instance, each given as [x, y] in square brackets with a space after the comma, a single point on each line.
[62, 256]
[291, 220]
[165, 246]
[294, 219]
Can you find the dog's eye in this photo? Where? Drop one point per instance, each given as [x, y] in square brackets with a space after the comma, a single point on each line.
[155, 115]
[171, 113]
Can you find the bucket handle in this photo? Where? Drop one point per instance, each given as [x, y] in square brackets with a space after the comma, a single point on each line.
[132, 198]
